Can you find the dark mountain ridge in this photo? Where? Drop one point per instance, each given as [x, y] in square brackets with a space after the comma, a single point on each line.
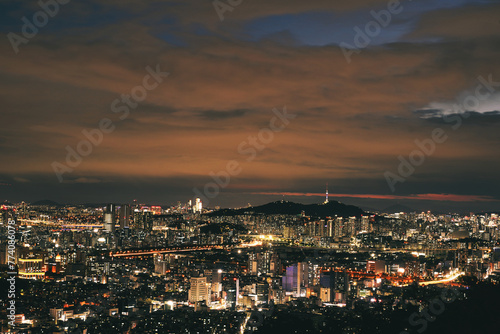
[330, 209]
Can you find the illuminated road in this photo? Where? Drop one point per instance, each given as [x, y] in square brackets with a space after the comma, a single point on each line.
[151, 252]
[444, 280]
[401, 280]
[244, 324]
[62, 224]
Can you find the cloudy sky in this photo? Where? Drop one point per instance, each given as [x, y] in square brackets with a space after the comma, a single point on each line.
[361, 81]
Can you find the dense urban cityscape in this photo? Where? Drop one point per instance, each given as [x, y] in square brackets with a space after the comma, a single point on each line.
[276, 268]
[249, 166]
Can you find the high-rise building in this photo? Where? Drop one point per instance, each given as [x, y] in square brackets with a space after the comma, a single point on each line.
[330, 228]
[31, 263]
[275, 264]
[314, 274]
[312, 228]
[259, 263]
[109, 218]
[338, 227]
[334, 287]
[111, 208]
[325, 294]
[375, 266]
[351, 227]
[200, 290]
[365, 223]
[262, 292]
[161, 265]
[296, 278]
[232, 292]
[143, 220]
[322, 228]
[125, 213]
[198, 206]
[253, 262]
[216, 282]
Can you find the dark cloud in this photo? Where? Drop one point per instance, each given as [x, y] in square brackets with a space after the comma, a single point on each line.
[353, 122]
[216, 115]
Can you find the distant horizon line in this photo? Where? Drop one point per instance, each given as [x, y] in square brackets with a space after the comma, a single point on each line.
[419, 197]
[424, 197]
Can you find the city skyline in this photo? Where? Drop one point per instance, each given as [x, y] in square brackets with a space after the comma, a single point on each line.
[145, 269]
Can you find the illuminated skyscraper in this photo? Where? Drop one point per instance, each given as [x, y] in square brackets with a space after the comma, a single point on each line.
[198, 206]
[365, 223]
[338, 227]
[351, 227]
[296, 278]
[334, 287]
[200, 290]
[330, 228]
[144, 220]
[109, 218]
[125, 213]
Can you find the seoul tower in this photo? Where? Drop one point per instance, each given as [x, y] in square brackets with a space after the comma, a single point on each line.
[326, 200]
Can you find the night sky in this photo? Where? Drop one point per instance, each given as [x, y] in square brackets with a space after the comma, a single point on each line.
[429, 73]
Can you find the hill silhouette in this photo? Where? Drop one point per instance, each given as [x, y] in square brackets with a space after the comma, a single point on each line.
[330, 209]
